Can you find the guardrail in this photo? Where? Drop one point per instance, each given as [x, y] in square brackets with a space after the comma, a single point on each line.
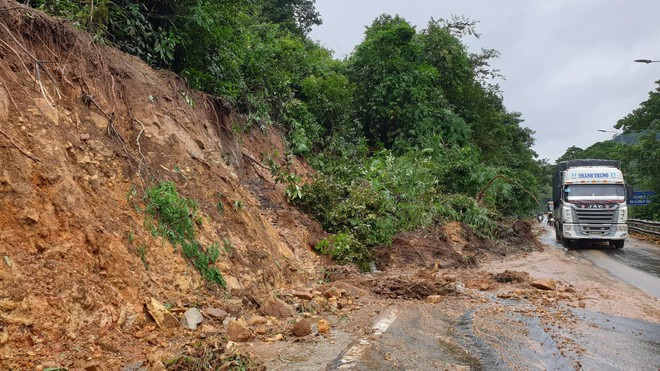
[644, 227]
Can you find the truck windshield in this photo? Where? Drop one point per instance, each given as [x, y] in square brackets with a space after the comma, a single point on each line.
[595, 192]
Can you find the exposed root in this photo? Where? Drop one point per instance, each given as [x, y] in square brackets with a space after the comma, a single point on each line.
[26, 153]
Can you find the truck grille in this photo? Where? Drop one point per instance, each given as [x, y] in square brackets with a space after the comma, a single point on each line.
[596, 216]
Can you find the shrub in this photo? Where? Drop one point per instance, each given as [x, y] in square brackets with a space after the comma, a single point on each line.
[344, 248]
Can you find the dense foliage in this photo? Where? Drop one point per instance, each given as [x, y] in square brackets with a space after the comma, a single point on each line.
[404, 133]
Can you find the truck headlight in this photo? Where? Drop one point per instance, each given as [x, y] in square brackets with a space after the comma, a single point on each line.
[622, 228]
[567, 215]
[623, 214]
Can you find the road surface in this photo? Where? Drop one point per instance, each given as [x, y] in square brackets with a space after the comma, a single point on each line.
[605, 314]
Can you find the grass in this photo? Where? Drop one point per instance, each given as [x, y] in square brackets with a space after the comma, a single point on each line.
[174, 218]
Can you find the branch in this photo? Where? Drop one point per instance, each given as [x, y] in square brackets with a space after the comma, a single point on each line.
[481, 193]
[26, 153]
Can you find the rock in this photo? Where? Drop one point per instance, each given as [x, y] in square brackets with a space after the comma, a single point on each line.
[342, 303]
[302, 328]
[216, 313]
[160, 314]
[261, 330]
[191, 318]
[276, 308]
[135, 366]
[92, 366]
[238, 331]
[303, 294]
[275, 338]
[323, 326]
[84, 137]
[545, 284]
[257, 320]
[209, 330]
[332, 292]
[350, 289]
[433, 299]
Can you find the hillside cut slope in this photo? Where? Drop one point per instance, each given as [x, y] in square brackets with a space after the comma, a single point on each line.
[84, 131]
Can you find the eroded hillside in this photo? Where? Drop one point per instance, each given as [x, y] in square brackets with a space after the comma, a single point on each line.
[85, 130]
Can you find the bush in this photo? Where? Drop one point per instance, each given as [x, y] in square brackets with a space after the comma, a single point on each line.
[344, 248]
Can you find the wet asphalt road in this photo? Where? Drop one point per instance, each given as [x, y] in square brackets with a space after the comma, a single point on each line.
[638, 263]
[428, 337]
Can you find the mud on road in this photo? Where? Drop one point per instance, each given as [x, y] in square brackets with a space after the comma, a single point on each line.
[547, 309]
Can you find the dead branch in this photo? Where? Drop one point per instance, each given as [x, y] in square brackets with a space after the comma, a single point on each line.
[254, 160]
[37, 66]
[29, 155]
[137, 141]
[12, 100]
[481, 193]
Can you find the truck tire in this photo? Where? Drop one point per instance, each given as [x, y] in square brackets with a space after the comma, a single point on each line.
[617, 244]
[557, 235]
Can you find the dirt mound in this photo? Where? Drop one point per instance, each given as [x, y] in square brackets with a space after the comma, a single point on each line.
[84, 131]
[454, 245]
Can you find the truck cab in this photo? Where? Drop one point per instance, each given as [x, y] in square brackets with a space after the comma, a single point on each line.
[590, 202]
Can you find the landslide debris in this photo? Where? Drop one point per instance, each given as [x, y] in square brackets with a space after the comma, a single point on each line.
[85, 131]
[86, 283]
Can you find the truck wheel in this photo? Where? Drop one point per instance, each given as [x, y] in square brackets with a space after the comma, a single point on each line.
[617, 244]
[557, 235]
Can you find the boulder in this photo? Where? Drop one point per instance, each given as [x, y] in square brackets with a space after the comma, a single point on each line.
[302, 328]
[303, 294]
[216, 313]
[238, 331]
[257, 320]
[545, 284]
[274, 307]
[160, 314]
[191, 318]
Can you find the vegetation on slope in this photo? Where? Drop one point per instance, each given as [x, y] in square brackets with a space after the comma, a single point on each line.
[404, 133]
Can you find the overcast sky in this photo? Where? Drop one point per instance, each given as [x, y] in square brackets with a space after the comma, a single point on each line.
[568, 64]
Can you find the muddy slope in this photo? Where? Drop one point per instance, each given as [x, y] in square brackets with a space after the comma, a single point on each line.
[85, 129]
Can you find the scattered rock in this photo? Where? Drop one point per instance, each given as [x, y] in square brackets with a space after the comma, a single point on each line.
[332, 292]
[351, 290]
[433, 299]
[216, 313]
[275, 338]
[160, 314]
[261, 330]
[84, 137]
[191, 318]
[323, 326]
[303, 294]
[545, 284]
[257, 320]
[302, 328]
[238, 331]
[135, 366]
[276, 308]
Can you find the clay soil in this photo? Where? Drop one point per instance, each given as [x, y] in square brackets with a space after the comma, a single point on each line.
[80, 142]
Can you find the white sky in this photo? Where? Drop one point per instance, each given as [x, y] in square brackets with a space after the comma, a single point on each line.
[568, 64]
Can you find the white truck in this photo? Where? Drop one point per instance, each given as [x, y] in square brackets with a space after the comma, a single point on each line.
[589, 198]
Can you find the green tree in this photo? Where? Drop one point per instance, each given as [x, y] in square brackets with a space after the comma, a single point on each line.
[644, 157]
